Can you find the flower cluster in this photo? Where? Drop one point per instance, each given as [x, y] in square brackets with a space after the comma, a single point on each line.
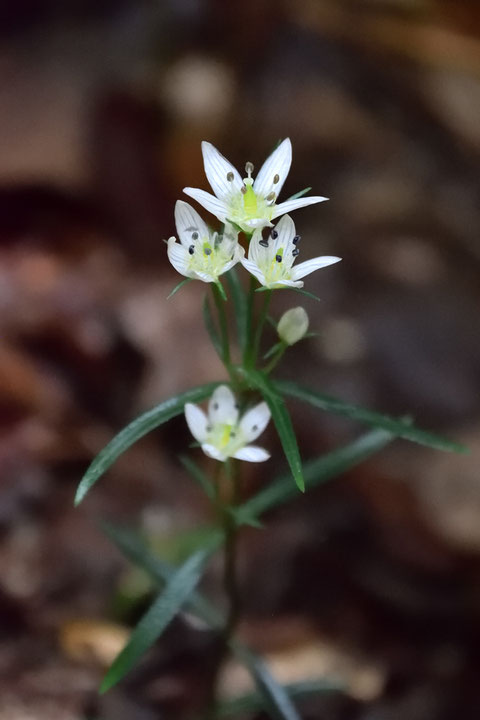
[249, 206]
[243, 205]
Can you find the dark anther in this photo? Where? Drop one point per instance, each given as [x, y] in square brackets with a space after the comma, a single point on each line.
[278, 258]
[274, 234]
[255, 428]
[276, 179]
[270, 197]
[209, 428]
[215, 406]
[232, 433]
[263, 243]
[296, 252]
[296, 239]
[230, 177]
[244, 189]
[208, 251]
[191, 249]
[194, 236]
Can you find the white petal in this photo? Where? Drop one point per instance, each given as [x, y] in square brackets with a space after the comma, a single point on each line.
[252, 453]
[286, 232]
[237, 257]
[209, 202]
[178, 256]
[309, 266]
[277, 164]
[217, 168]
[254, 422]
[213, 452]
[254, 270]
[257, 253]
[290, 205]
[188, 221]
[197, 422]
[204, 277]
[257, 223]
[286, 284]
[222, 408]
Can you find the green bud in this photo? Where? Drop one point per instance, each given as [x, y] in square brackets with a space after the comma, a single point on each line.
[293, 325]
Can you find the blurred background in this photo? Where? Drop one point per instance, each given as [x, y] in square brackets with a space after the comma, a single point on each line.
[373, 579]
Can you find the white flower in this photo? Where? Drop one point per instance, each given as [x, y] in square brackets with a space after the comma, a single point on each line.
[223, 434]
[247, 203]
[202, 254]
[293, 325]
[271, 261]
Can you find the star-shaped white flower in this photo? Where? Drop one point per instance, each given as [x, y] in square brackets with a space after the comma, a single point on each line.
[222, 433]
[247, 203]
[271, 260]
[202, 254]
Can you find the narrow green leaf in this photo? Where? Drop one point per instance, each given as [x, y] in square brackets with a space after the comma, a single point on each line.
[199, 476]
[275, 697]
[239, 298]
[282, 421]
[135, 430]
[299, 194]
[177, 287]
[315, 473]
[399, 427]
[158, 616]
[211, 327]
[221, 290]
[254, 702]
[134, 548]
[307, 294]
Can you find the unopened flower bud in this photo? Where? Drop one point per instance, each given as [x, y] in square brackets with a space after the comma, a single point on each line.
[293, 325]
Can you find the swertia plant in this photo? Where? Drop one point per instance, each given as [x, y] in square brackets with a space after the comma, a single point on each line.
[240, 407]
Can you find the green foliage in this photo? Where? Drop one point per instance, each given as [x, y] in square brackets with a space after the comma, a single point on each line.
[299, 194]
[275, 697]
[199, 476]
[240, 305]
[282, 422]
[399, 427]
[137, 429]
[315, 472]
[211, 327]
[158, 616]
[178, 287]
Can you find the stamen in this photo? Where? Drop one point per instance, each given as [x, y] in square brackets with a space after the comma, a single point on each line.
[270, 197]
[230, 176]
[215, 406]
[274, 234]
[276, 179]
[191, 249]
[249, 168]
[296, 239]
[233, 434]
[263, 243]
[209, 428]
[194, 236]
[295, 252]
[208, 251]
[278, 258]
[243, 190]
[254, 428]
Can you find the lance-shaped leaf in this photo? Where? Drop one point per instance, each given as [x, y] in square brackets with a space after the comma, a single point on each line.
[282, 422]
[275, 697]
[135, 430]
[315, 472]
[400, 428]
[254, 702]
[159, 615]
[134, 548]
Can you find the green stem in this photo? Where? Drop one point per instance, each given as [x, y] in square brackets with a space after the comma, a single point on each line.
[275, 359]
[261, 323]
[250, 309]
[222, 319]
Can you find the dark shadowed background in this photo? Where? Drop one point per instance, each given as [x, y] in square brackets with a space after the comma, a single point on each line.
[373, 579]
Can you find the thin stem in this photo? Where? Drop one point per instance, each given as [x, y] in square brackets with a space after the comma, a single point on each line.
[230, 583]
[261, 323]
[222, 319]
[275, 359]
[250, 308]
